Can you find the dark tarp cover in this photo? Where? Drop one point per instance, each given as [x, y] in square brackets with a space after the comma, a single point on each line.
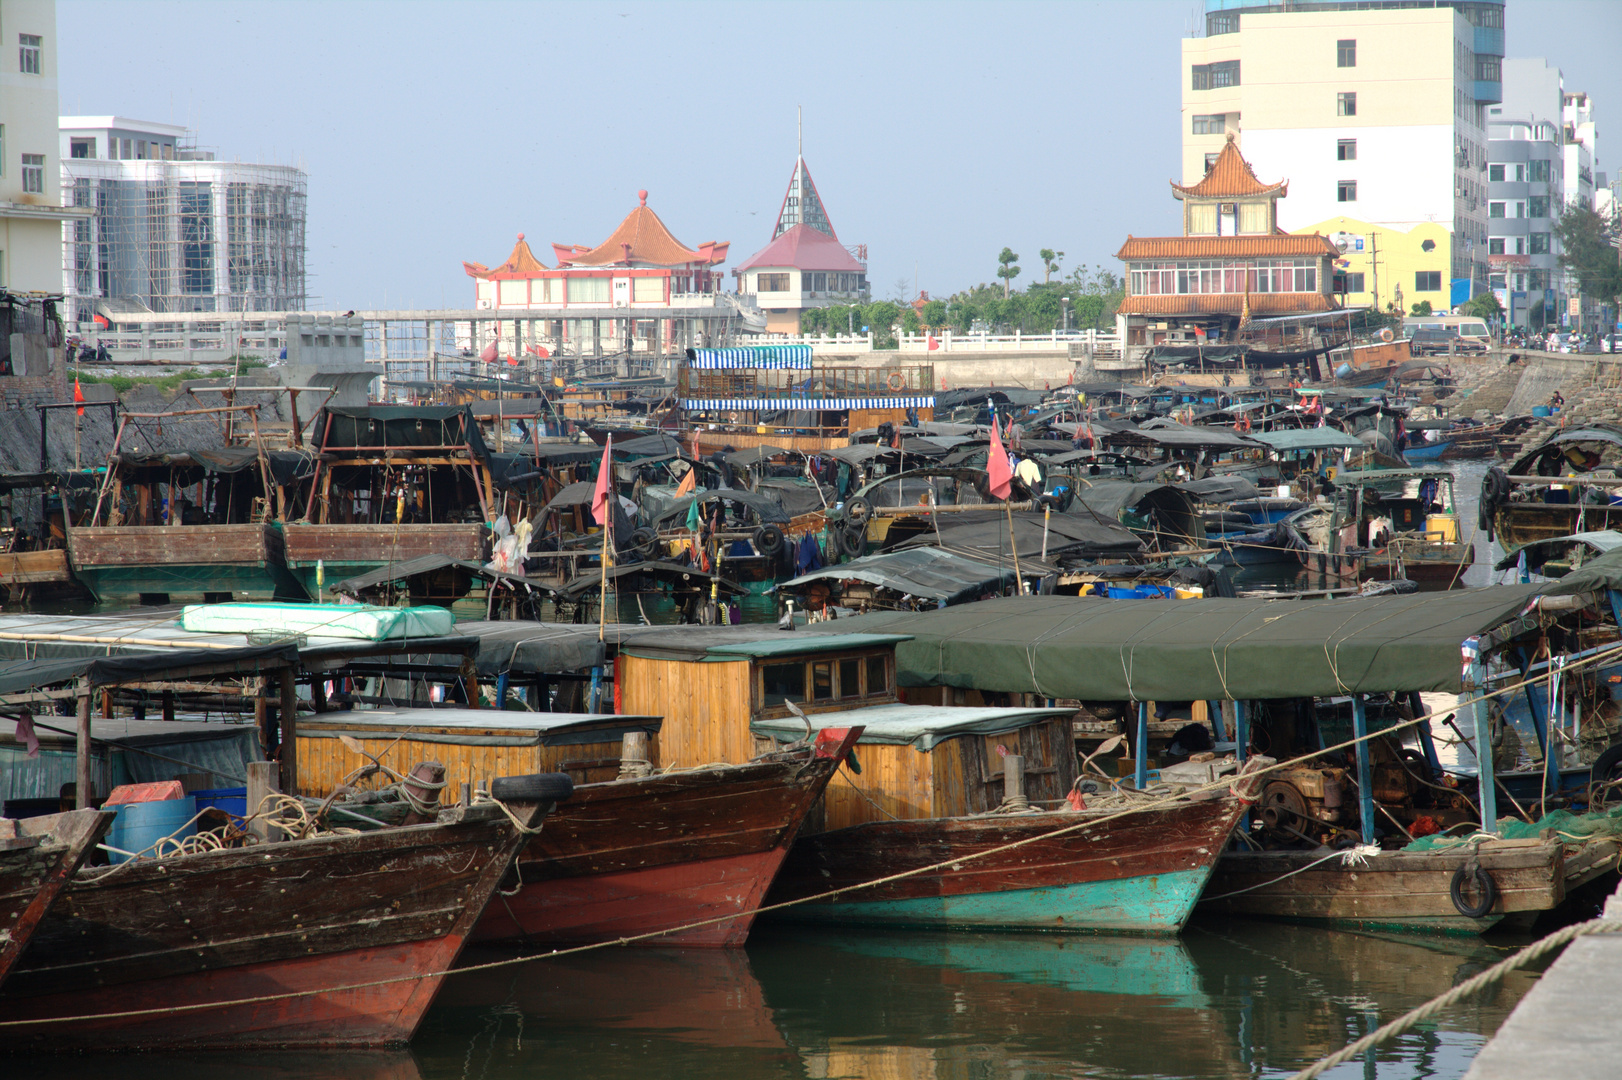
[986, 535]
[646, 446]
[1183, 438]
[542, 648]
[676, 575]
[398, 426]
[20, 676]
[1180, 650]
[189, 467]
[1597, 575]
[926, 572]
[796, 496]
[764, 508]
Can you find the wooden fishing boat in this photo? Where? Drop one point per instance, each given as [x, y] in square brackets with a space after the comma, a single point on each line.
[1390, 890]
[623, 857]
[38, 856]
[1139, 874]
[265, 945]
[160, 563]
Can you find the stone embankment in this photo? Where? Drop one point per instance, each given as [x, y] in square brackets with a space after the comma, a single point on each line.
[1490, 388]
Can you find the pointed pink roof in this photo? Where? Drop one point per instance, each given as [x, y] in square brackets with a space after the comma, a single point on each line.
[522, 263]
[804, 248]
[802, 204]
[641, 239]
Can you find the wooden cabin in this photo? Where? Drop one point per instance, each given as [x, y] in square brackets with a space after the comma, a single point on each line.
[473, 744]
[724, 693]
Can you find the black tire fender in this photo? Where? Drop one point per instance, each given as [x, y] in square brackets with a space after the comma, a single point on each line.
[855, 538]
[859, 510]
[643, 542]
[1485, 885]
[535, 787]
[768, 540]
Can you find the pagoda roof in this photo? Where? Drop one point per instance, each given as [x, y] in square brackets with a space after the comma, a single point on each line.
[1230, 177]
[641, 239]
[1224, 247]
[522, 263]
[805, 247]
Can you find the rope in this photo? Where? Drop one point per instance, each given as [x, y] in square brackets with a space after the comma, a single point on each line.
[1465, 989]
[1355, 856]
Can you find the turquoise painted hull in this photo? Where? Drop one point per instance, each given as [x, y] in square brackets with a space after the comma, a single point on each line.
[1154, 904]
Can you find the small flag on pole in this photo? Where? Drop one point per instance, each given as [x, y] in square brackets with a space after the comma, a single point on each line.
[490, 353]
[604, 489]
[688, 482]
[997, 470]
[78, 395]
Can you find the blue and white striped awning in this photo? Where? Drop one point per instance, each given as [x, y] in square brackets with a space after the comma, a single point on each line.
[811, 404]
[751, 356]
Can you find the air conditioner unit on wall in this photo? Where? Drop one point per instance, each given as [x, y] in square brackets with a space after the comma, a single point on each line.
[1228, 208]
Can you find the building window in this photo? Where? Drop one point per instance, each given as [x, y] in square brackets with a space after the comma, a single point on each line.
[771, 283]
[34, 173]
[1539, 243]
[1520, 245]
[1495, 209]
[2, 149]
[1346, 191]
[647, 290]
[1221, 22]
[1489, 68]
[1210, 159]
[1214, 124]
[1537, 206]
[1346, 104]
[28, 49]
[1345, 149]
[1538, 171]
[1495, 174]
[1428, 281]
[1495, 246]
[588, 290]
[1346, 52]
[1202, 219]
[1253, 218]
[82, 148]
[1216, 76]
[1348, 283]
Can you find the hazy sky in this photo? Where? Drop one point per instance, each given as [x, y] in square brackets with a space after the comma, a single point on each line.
[937, 133]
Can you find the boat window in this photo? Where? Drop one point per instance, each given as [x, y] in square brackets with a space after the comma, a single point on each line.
[782, 682]
[822, 681]
[850, 678]
[877, 680]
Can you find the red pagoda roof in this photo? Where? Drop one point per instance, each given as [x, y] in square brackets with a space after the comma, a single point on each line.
[641, 238]
[1230, 177]
[805, 247]
[522, 263]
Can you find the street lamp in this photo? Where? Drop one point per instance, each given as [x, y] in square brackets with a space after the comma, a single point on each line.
[1064, 307]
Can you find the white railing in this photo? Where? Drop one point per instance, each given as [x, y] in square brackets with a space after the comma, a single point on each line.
[1076, 342]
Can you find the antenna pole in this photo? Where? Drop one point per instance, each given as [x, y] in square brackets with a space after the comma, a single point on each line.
[799, 131]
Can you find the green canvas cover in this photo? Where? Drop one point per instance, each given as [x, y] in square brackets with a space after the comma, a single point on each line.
[1180, 650]
[365, 622]
[398, 426]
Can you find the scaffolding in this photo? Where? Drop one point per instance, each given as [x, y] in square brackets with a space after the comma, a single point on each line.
[190, 234]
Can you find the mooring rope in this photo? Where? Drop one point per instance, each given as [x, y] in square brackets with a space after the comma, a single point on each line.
[1465, 989]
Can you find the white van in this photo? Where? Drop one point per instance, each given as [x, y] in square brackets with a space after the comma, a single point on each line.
[1471, 327]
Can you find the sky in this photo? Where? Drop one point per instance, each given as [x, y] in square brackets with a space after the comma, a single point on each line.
[937, 133]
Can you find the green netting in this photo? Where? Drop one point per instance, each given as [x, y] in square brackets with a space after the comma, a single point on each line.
[1567, 825]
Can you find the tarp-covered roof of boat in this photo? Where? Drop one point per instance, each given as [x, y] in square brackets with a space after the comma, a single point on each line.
[1181, 437]
[922, 726]
[1314, 438]
[426, 564]
[1604, 572]
[478, 727]
[1179, 650]
[768, 510]
[986, 535]
[190, 466]
[926, 572]
[1604, 433]
[527, 647]
[670, 573]
[338, 427]
[656, 445]
[20, 676]
[1538, 552]
[727, 643]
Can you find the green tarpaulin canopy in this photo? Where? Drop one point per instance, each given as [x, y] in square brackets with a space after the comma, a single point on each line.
[1181, 650]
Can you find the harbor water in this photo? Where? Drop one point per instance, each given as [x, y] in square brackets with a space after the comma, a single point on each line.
[1228, 999]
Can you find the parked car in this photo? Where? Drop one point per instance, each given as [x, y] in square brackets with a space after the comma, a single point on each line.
[1444, 341]
[1611, 343]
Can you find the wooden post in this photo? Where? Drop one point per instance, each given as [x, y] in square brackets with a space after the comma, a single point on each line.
[106, 703]
[1013, 780]
[82, 790]
[168, 704]
[1241, 731]
[1485, 773]
[289, 732]
[262, 783]
[1140, 778]
[1365, 770]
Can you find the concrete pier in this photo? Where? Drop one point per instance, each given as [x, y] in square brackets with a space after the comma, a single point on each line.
[1565, 1026]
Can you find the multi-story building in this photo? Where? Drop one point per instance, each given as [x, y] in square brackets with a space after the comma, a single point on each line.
[1526, 182]
[1376, 113]
[172, 229]
[805, 265]
[1581, 154]
[31, 212]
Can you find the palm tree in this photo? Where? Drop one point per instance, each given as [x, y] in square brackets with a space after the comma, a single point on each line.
[1050, 263]
[1008, 271]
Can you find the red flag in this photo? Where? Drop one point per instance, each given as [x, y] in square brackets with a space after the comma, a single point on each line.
[490, 353]
[78, 395]
[540, 351]
[997, 470]
[600, 496]
[1199, 332]
[513, 360]
[933, 344]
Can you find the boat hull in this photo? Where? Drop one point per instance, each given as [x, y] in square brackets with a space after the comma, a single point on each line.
[346, 551]
[642, 856]
[1519, 524]
[304, 917]
[244, 562]
[1136, 874]
[38, 856]
[1389, 891]
[1432, 573]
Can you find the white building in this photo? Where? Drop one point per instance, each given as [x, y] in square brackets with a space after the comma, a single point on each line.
[172, 229]
[31, 212]
[1375, 112]
[1581, 153]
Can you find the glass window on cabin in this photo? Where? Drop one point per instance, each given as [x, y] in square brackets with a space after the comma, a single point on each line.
[782, 682]
[822, 680]
[878, 681]
[850, 678]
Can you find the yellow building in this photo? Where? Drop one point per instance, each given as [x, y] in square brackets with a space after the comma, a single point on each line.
[1380, 266]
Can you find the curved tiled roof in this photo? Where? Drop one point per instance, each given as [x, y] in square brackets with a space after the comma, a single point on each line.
[522, 263]
[1230, 177]
[641, 238]
[1226, 304]
[805, 247]
[1222, 247]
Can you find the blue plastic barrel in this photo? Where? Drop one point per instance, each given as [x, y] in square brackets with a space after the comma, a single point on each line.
[233, 800]
[1541, 410]
[141, 825]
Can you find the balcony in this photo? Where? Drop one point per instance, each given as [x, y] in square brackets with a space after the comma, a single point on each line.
[1489, 40]
[1488, 93]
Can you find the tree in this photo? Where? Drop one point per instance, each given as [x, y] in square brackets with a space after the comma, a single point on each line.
[1421, 308]
[909, 319]
[813, 320]
[1483, 306]
[935, 314]
[1590, 253]
[881, 317]
[961, 314]
[1050, 263]
[903, 290]
[1007, 269]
